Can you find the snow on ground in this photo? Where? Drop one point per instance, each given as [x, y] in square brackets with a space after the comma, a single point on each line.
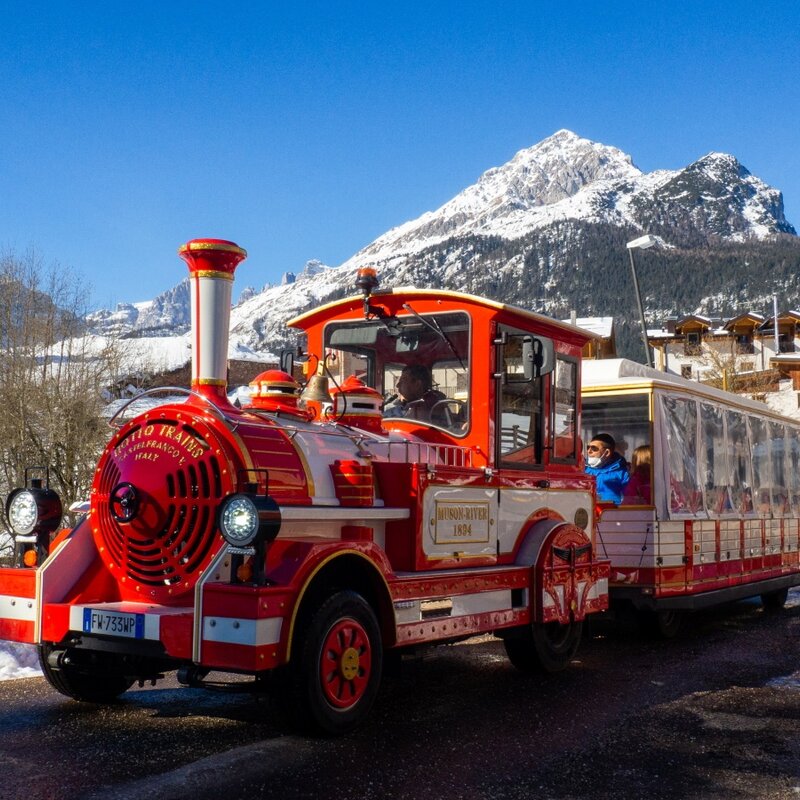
[785, 400]
[18, 661]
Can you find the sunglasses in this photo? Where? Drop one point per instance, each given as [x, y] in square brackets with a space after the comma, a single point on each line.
[590, 448]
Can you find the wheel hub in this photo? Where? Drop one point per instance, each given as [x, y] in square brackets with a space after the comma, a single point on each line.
[348, 665]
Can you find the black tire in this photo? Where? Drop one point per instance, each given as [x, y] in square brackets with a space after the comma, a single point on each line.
[661, 624]
[336, 666]
[774, 601]
[544, 647]
[100, 686]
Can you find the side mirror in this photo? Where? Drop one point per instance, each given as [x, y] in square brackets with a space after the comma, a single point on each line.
[287, 361]
[527, 357]
[538, 357]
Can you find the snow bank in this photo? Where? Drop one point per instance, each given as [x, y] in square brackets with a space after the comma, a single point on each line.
[18, 661]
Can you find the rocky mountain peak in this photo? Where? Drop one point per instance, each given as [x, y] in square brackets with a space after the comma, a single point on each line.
[533, 230]
[559, 167]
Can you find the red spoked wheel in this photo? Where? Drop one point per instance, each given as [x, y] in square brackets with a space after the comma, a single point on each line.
[346, 663]
[336, 665]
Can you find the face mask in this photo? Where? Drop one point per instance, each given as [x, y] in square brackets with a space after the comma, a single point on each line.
[594, 461]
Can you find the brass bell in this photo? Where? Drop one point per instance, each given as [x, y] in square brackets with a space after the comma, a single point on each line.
[316, 390]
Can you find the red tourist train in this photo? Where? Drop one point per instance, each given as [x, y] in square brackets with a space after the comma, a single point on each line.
[303, 541]
[307, 541]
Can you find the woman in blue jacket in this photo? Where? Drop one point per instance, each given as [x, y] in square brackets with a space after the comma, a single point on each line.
[609, 468]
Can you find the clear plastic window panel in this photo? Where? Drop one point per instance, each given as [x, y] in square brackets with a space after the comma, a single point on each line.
[793, 442]
[685, 496]
[777, 444]
[759, 442]
[714, 461]
[741, 479]
[565, 400]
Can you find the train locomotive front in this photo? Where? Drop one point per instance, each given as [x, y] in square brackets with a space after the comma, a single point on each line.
[269, 538]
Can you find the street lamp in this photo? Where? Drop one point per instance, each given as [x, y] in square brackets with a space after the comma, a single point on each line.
[642, 243]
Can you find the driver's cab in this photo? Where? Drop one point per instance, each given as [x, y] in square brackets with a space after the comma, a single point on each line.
[497, 380]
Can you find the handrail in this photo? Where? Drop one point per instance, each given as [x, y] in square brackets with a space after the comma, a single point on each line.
[427, 452]
[172, 389]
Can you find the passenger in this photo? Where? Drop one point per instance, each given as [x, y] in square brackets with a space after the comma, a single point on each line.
[637, 490]
[415, 396]
[608, 467]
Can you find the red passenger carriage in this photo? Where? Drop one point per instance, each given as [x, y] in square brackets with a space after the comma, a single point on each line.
[722, 516]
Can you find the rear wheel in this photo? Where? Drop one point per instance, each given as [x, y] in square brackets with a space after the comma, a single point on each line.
[774, 601]
[663, 624]
[544, 647]
[336, 666]
[79, 682]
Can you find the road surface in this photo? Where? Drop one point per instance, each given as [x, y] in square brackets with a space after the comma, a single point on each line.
[714, 713]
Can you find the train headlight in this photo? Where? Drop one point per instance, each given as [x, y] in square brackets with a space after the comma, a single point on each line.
[23, 513]
[244, 518]
[238, 520]
[33, 510]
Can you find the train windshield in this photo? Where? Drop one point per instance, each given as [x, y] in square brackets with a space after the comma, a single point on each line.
[419, 362]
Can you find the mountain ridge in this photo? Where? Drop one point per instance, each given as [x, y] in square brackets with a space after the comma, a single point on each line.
[538, 220]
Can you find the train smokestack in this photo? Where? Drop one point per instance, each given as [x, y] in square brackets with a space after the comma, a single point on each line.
[211, 263]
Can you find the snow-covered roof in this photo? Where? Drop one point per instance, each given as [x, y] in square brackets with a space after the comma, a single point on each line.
[623, 371]
[600, 326]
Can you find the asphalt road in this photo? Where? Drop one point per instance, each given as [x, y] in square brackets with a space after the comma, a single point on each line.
[712, 714]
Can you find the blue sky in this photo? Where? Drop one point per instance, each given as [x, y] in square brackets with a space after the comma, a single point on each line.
[305, 130]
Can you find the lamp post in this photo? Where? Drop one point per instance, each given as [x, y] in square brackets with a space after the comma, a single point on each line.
[642, 243]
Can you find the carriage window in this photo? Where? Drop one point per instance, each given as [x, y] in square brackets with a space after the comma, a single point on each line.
[739, 461]
[793, 441]
[625, 417]
[521, 408]
[685, 496]
[521, 413]
[780, 494]
[565, 394]
[759, 443]
[714, 461]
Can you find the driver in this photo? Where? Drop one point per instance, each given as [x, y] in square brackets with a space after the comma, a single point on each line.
[415, 394]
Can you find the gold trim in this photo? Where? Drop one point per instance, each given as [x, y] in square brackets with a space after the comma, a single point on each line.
[460, 555]
[311, 577]
[224, 248]
[209, 382]
[304, 463]
[651, 387]
[218, 274]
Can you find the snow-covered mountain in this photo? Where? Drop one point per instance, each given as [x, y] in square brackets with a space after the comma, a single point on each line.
[167, 314]
[566, 177]
[534, 222]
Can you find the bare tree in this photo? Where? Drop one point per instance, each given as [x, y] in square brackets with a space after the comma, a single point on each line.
[51, 377]
[724, 371]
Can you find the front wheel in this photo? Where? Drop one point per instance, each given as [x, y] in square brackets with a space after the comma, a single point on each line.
[77, 682]
[336, 669]
[544, 647]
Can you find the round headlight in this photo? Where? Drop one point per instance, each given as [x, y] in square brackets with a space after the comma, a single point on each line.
[23, 513]
[238, 520]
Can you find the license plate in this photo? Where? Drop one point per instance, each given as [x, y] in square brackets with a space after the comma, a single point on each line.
[113, 623]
